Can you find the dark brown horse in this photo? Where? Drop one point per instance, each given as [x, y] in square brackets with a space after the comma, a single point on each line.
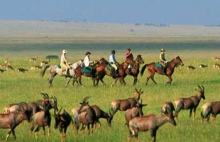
[134, 71]
[155, 68]
[104, 68]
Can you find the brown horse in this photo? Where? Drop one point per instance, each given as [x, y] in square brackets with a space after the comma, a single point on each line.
[155, 68]
[134, 71]
[104, 68]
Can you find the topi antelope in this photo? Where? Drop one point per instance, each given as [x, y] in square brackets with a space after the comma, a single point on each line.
[33, 59]
[86, 115]
[134, 112]
[149, 123]
[216, 65]
[167, 105]
[41, 119]
[190, 103]
[203, 66]
[15, 107]
[35, 67]
[11, 120]
[210, 108]
[62, 121]
[22, 70]
[42, 63]
[125, 104]
[191, 68]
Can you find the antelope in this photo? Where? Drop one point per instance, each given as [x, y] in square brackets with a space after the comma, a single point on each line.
[41, 119]
[36, 106]
[15, 107]
[216, 58]
[191, 67]
[33, 59]
[125, 104]
[42, 63]
[134, 112]
[62, 121]
[203, 66]
[22, 70]
[2, 70]
[11, 121]
[167, 105]
[210, 108]
[34, 67]
[216, 65]
[86, 115]
[150, 123]
[98, 112]
[190, 103]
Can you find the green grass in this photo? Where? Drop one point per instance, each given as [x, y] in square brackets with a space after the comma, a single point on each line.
[17, 87]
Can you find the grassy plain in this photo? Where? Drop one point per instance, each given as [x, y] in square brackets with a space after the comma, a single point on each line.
[17, 87]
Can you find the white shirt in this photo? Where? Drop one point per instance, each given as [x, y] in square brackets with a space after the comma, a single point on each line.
[86, 61]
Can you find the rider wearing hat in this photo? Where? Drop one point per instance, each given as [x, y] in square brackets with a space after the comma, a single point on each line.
[87, 62]
[129, 59]
[113, 62]
[163, 60]
[63, 62]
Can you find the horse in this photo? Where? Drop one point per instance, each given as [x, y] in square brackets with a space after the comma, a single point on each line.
[82, 71]
[134, 71]
[104, 68]
[55, 69]
[157, 68]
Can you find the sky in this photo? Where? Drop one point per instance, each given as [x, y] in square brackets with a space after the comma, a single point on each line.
[170, 12]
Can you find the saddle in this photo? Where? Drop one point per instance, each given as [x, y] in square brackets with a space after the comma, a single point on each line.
[158, 64]
[110, 68]
[86, 70]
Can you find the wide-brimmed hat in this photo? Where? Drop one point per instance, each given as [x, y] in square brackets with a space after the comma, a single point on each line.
[113, 51]
[162, 50]
[64, 51]
[87, 53]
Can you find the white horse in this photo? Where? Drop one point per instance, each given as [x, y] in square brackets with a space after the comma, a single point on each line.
[55, 69]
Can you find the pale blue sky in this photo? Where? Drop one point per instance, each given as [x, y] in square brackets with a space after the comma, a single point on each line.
[172, 12]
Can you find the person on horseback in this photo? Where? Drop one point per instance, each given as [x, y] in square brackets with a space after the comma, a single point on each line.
[63, 62]
[129, 58]
[113, 62]
[163, 60]
[87, 63]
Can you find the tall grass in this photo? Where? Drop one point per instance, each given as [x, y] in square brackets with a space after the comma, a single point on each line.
[17, 87]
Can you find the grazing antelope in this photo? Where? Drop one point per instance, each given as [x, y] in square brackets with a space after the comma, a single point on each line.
[191, 68]
[62, 121]
[216, 65]
[190, 103]
[22, 70]
[149, 123]
[203, 66]
[33, 59]
[125, 104]
[167, 105]
[210, 108]
[86, 115]
[216, 58]
[11, 121]
[35, 67]
[2, 70]
[41, 119]
[42, 63]
[134, 112]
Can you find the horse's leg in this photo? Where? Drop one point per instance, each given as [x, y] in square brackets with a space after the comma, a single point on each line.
[68, 81]
[115, 81]
[170, 79]
[150, 76]
[135, 80]
[50, 80]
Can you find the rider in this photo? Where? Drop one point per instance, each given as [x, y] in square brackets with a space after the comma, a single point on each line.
[113, 62]
[163, 60]
[87, 62]
[129, 58]
[63, 62]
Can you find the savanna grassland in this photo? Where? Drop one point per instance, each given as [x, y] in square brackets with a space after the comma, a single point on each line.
[17, 87]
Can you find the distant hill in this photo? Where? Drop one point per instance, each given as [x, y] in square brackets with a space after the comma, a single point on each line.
[32, 29]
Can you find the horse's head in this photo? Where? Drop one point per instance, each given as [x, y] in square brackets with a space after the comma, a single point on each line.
[179, 61]
[103, 61]
[139, 59]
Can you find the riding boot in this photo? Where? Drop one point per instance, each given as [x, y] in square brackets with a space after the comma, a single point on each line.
[129, 71]
[116, 73]
[164, 70]
[68, 72]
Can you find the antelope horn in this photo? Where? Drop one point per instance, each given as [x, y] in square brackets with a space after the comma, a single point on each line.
[85, 99]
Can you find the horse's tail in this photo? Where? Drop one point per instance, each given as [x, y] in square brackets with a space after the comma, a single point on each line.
[143, 69]
[44, 70]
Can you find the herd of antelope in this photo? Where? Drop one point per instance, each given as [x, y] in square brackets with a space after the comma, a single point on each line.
[38, 114]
